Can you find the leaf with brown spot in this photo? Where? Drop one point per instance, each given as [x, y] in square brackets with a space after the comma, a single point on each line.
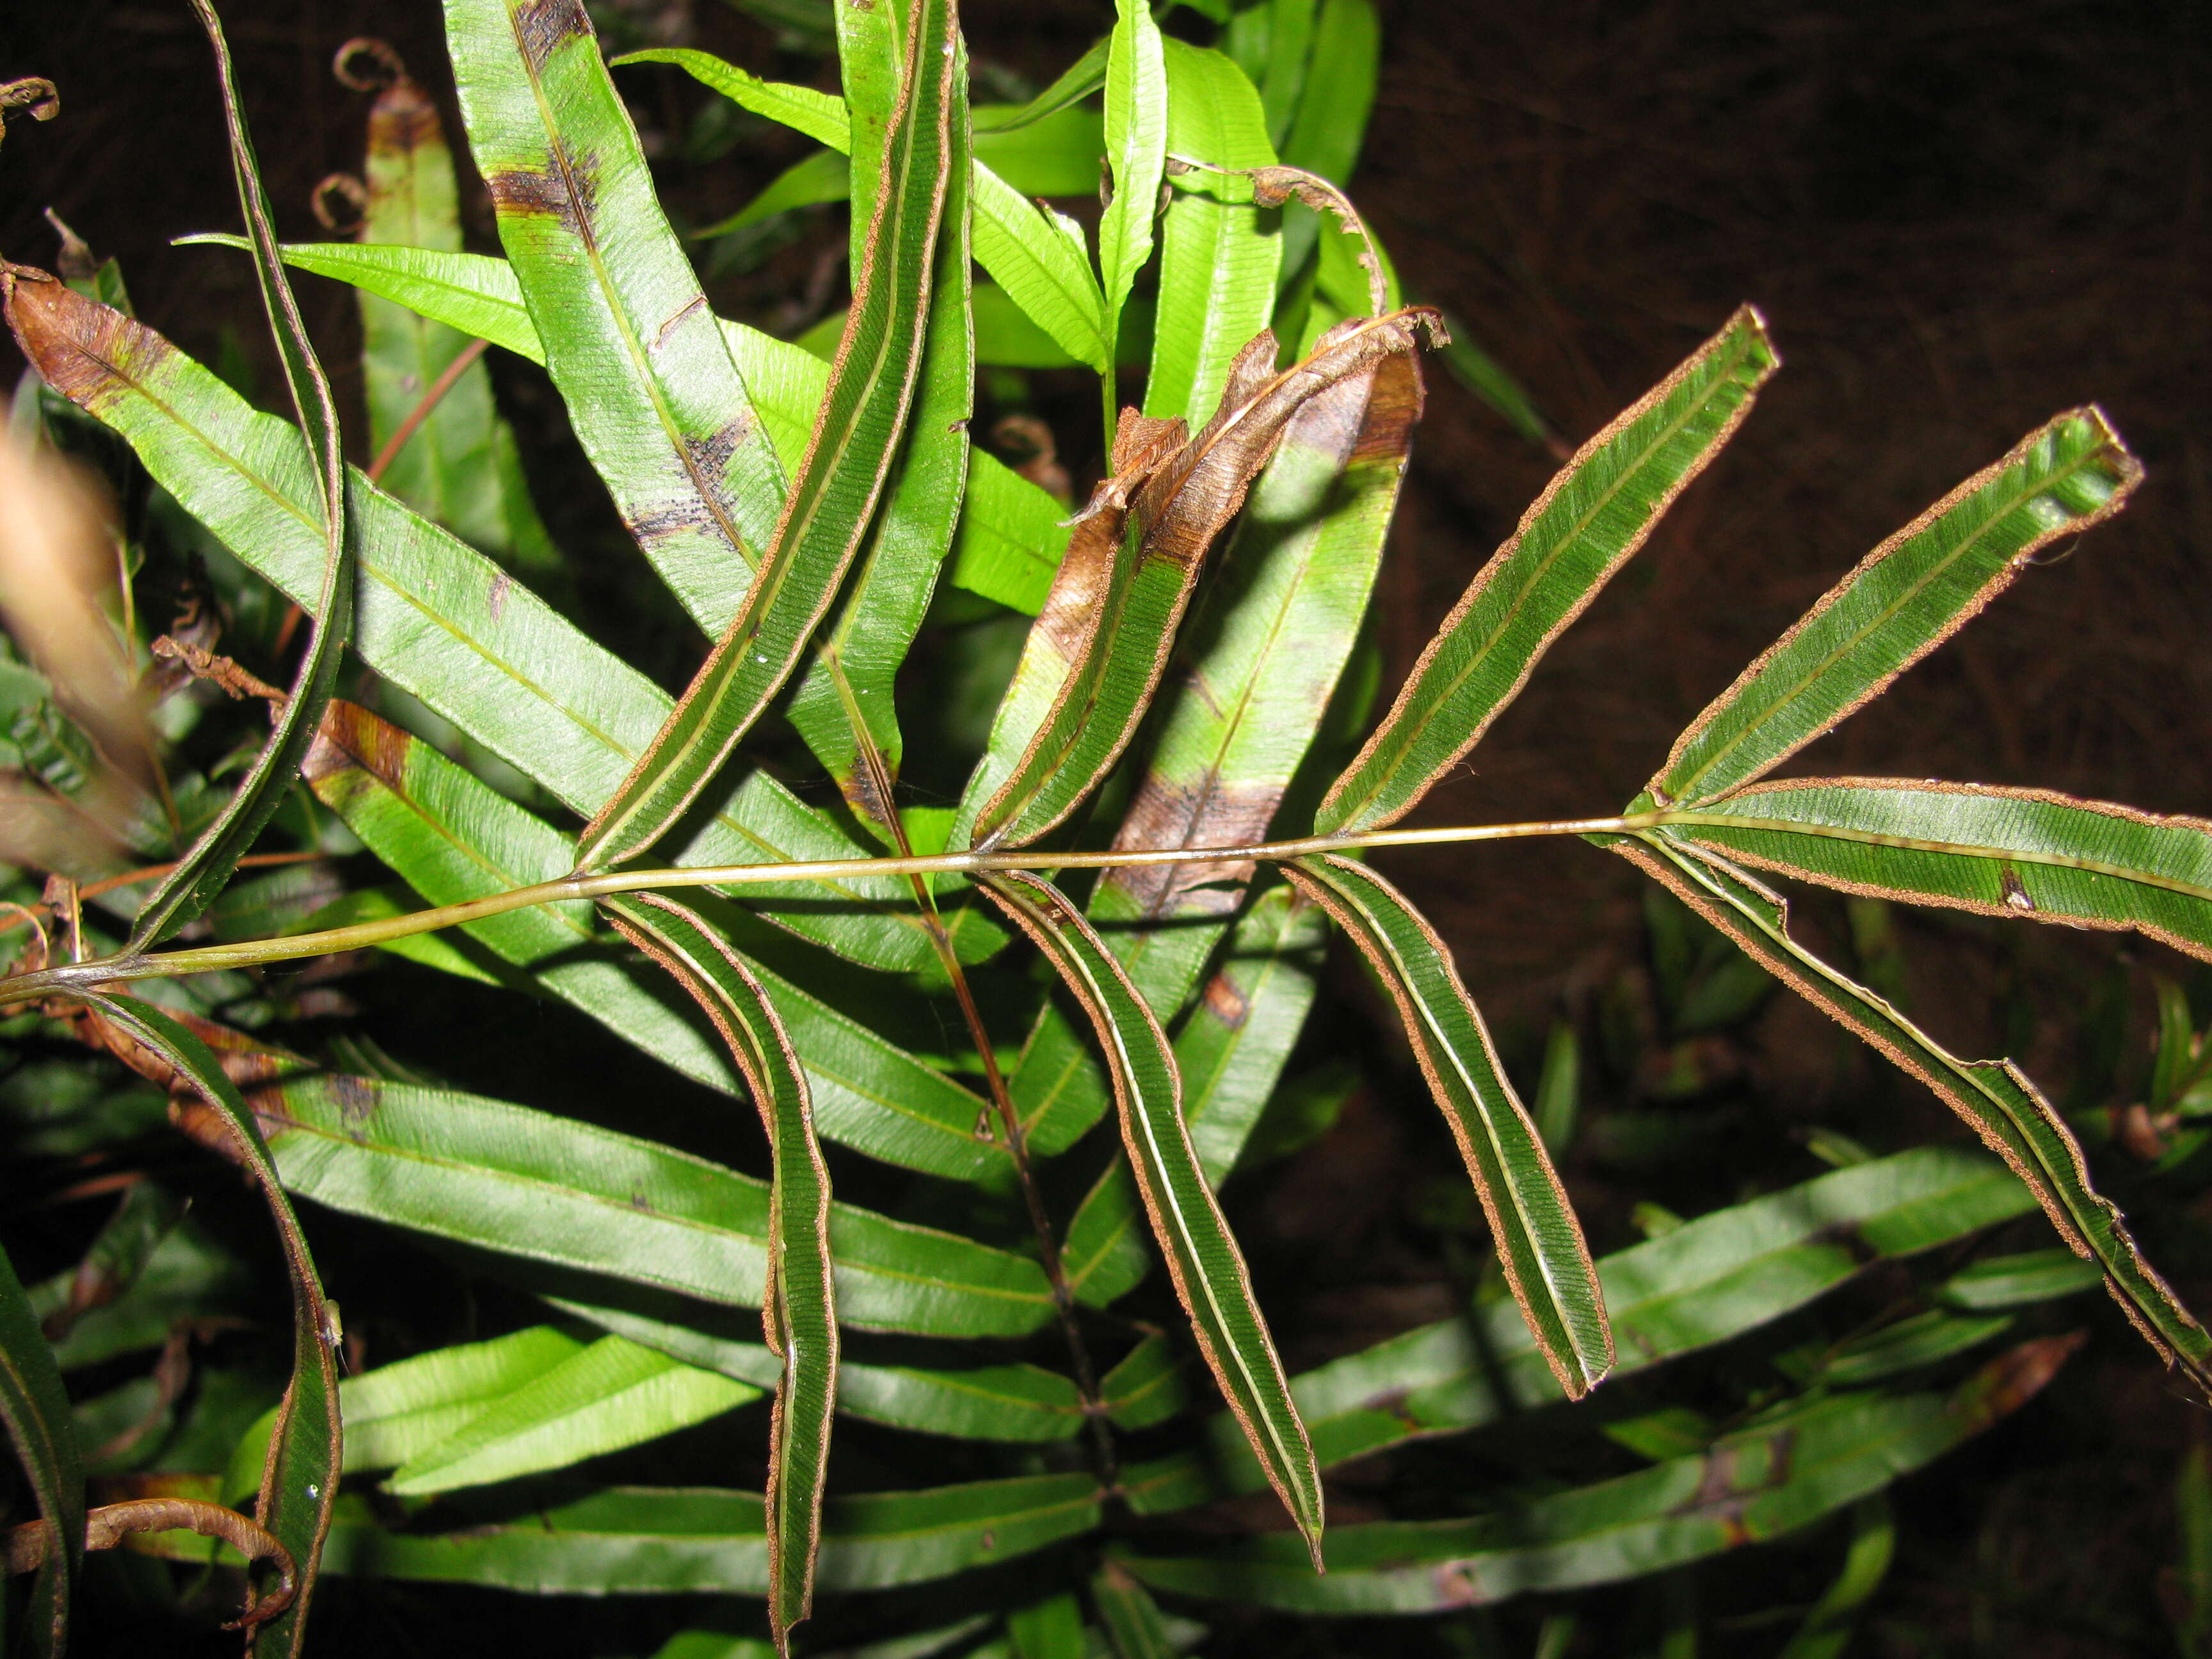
[1100, 644]
[848, 465]
[651, 388]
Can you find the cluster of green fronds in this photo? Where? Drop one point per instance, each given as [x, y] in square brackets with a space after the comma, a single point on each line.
[1168, 811]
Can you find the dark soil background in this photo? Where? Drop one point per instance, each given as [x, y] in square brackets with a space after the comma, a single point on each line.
[1959, 216]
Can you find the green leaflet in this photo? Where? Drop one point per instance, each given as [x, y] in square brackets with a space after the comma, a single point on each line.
[191, 886]
[1203, 1260]
[1136, 146]
[1231, 1052]
[521, 1404]
[1076, 82]
[469, 292]
[459, 468]
[1996, 1098]
[1334, 91]
[2016, 852]
[2010, 1281]
[1709, 1281]
[1102, 642]
[648, 383]
[398, 1411]
[1024, 1404]
[1761, 1483]
[1038, 256]
[820, 115]
[844, 707]
[638, 1541]
[1271, 43]
[611, 1394]
[453, 837]
[798, 1312]
[520, 1182]
[1589, 520]
[1218, 259]
[1050, 1629]
[437, 618]
[1337, 91]
[1902, 600]
[299, 1481]
[36, 1409]
[1540, 1243]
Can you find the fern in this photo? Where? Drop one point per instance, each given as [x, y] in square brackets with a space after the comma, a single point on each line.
[580, 837]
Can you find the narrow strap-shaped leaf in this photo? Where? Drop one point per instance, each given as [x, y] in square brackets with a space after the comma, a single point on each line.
[1539, 1243]
[1775, 1477]
[1217, 260]
[502, 1177]
[1016, 1404]
[1133, 1623]
[200, 874]
[457, 465]
[1075, 84]
[1994, 1097]
[1100, 644]
[299, 1483]
[823, 177]
[1038, 257]
[1136, 147]
[36, 1408]
[643, 370]
[1203, 1260]
[600, 1399]
[686, 1541]
[1592, 515]
[470, 292]
[834, 491]
[820, 115]
[799, 1312]
[844, 707]
[398, 1411]
[1709, 1281]
[1902, 600]
[2029, 853]
[452, 838]
[1230, 1053]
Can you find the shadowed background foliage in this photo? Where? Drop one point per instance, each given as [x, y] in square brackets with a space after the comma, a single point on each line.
[1958, 216]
